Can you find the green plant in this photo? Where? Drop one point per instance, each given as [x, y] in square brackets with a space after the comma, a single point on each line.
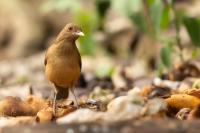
[152, 17]
[87, 19]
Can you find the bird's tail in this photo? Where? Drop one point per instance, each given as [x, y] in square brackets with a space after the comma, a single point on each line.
[62, 93]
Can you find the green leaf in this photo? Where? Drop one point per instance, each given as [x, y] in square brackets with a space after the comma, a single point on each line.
[165, 54]
[164, 22]
[156, 12]
[89, 22]
[193, 28]
[150, 2]
[87, 46]
[195, 53]
[160, 68]
[139, 21]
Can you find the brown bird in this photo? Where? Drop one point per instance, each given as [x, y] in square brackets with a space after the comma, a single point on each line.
[63, 63]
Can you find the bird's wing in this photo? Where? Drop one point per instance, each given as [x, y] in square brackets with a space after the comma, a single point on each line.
[47, 54]
[79, 60]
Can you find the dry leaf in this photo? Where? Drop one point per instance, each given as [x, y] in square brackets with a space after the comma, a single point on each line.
[36, 103]
[45, 115]
[180, 101]
[194, 114]
[14, 106]
[193, 92]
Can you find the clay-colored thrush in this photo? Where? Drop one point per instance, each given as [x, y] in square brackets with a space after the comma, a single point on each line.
[63, 62]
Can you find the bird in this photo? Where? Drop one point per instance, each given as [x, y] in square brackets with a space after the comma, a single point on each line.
[63, 63]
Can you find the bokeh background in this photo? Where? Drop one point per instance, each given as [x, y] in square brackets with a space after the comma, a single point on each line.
[125, 40]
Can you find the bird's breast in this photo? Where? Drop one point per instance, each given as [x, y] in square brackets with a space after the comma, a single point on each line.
[63, 71]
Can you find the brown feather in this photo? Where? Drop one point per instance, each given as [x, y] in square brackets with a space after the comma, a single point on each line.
[63, 61]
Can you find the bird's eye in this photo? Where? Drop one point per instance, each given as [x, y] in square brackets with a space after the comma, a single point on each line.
[70, 28]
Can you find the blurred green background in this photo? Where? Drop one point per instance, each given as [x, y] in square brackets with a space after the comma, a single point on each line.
[156, 34]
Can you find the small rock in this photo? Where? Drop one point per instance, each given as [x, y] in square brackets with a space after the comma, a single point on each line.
[80, 116]
[125, 107]
[155, 106]
[13, 121]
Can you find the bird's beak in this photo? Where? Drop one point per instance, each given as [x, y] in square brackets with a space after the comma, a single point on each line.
[79, 33]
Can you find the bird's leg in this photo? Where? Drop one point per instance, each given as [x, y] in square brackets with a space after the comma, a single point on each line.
[72, 90]
[54, 103]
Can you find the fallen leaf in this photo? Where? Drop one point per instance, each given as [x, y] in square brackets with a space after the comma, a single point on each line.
[180, 101]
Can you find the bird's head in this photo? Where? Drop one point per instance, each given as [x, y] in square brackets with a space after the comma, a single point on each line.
[71, 32]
